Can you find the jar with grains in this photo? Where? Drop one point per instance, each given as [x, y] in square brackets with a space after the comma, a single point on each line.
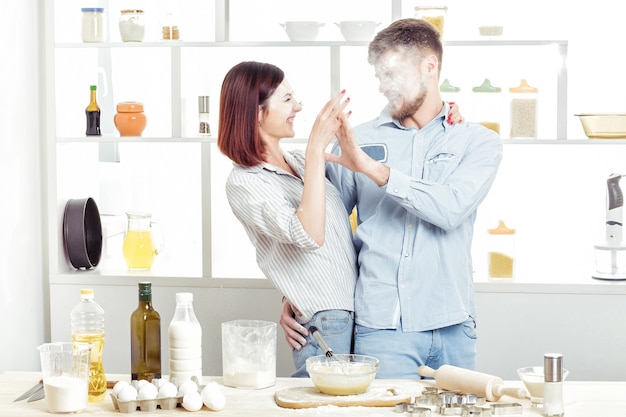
[132, 25]
[500, 252]
[435, 15]
[524, 111]
[93, 24]
[487, 105]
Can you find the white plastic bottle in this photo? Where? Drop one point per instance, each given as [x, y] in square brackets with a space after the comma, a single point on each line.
[185, 341]
[88, 327]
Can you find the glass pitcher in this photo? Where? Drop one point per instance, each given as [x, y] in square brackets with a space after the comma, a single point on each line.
[139, 246]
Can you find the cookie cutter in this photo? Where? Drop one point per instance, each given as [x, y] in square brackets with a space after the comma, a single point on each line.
[503, 409]
[412, 409]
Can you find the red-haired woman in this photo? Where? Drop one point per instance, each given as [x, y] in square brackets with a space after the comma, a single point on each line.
[292, 214]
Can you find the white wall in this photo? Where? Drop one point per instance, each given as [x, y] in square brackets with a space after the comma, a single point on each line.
[595, 84]
[24, 322]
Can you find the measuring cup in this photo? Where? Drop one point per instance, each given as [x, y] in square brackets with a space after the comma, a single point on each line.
[249, 353]
[65, 369]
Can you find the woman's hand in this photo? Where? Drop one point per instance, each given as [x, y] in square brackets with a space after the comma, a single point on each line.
[294, 331]
[454, 115]
[327, 122]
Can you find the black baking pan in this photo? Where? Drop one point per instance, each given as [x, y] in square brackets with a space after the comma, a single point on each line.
[82, 233]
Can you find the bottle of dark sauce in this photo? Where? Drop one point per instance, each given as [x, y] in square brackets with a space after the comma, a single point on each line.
[93, 114]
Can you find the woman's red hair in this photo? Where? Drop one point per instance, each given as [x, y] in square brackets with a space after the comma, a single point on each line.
[245, 90]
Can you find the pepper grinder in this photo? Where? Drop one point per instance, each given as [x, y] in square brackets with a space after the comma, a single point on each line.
[553, 385]
[203, 116]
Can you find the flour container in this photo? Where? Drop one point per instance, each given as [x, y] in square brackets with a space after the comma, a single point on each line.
[523, 111]
[249, 353]
[487, 104]
[501, 251]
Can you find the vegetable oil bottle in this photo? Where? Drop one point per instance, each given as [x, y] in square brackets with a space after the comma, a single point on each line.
[145, 337]
[88, 327]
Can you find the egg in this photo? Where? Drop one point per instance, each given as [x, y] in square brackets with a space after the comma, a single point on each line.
[128, 393]
[192, 401]
[157, 382]
[187, 386]
[138, 383]
[167, 390]
[213, 397]
[147, 392]
[118, 387]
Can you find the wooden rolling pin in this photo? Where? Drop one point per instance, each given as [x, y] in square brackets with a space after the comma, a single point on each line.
[452, 378]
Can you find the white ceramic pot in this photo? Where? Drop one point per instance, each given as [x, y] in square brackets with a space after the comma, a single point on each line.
[358, 30]
[302, 31]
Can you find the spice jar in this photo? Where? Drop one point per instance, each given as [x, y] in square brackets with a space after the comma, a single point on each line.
[500, 253]
[132, 26]
[487, 105]
[93, 25]
[130, 119]
[524, 111]
[204, 128]
[434, 15]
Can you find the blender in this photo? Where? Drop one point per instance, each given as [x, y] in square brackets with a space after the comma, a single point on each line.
[611, 254]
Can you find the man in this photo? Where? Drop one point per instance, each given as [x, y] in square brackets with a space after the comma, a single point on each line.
[416, 182]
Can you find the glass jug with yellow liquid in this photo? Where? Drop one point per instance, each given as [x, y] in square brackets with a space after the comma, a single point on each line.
[139, 246]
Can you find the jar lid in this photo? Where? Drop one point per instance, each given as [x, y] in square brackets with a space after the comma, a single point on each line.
[486, 87]
[523, 87]
[129, 107]
[442, 8]
[501, 229]
[446, 87]
[92, 9]
[132, 11]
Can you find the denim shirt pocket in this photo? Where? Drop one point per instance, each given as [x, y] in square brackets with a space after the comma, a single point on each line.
[440, 165]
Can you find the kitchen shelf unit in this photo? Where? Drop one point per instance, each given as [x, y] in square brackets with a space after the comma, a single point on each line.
[173, 53]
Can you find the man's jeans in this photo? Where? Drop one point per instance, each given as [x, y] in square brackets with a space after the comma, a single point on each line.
[401, 353]
[336, 327]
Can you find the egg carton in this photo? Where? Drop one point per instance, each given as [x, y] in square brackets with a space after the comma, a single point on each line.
[146, 405]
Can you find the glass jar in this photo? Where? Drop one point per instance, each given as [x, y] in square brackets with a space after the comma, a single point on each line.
[487, 105]
[501, 252]
[435, 15]
[132, 25]
[93, 24]
[524, 111]
[170, 29]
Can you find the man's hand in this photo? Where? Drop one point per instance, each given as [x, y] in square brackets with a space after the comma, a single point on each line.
[294, 331]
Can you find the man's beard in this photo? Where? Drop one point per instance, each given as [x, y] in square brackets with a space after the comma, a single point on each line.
[407, 109]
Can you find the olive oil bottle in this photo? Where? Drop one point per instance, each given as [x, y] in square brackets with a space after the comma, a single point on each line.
[145, 337]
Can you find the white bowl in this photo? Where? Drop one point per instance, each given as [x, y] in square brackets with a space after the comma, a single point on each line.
[302, 31]
[357, 30]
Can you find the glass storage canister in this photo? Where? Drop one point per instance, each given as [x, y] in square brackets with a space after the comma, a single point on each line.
[524, 111]
[435, 15]
[488, 105]
[130, 119]
[132, 25]
[93, 24]
[501, 253]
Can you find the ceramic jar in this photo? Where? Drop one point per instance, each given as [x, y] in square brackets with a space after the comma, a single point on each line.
[130, 119]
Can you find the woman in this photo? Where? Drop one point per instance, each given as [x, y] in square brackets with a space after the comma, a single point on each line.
[292, 214]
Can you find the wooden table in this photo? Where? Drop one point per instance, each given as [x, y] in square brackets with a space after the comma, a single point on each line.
[582, 399]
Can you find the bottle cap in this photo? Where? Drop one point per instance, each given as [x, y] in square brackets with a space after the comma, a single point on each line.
[184, 297]
[446, 87]
[145, 291]
[92, 87]
[553, 367]
[486, 87]
[523, 87]
[86, 293]
[203, 104]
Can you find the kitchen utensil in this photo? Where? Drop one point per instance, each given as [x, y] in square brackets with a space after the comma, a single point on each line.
[611, 254]
[357, 30]
[82, 233]
[347, 374]
[320, 341]
[533, 379]
[65, 368]
[452, 378]
[603, 125]
[380, 394]
[249, 353]
[301, 31]
[36, 388]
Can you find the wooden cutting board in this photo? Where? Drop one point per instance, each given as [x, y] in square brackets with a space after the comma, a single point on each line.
[379, 394]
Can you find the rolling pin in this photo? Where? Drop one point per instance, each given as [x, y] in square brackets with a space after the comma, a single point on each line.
[452, 378]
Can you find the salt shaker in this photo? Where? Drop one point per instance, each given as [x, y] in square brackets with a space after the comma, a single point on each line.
[553, 385]
[204, 128]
